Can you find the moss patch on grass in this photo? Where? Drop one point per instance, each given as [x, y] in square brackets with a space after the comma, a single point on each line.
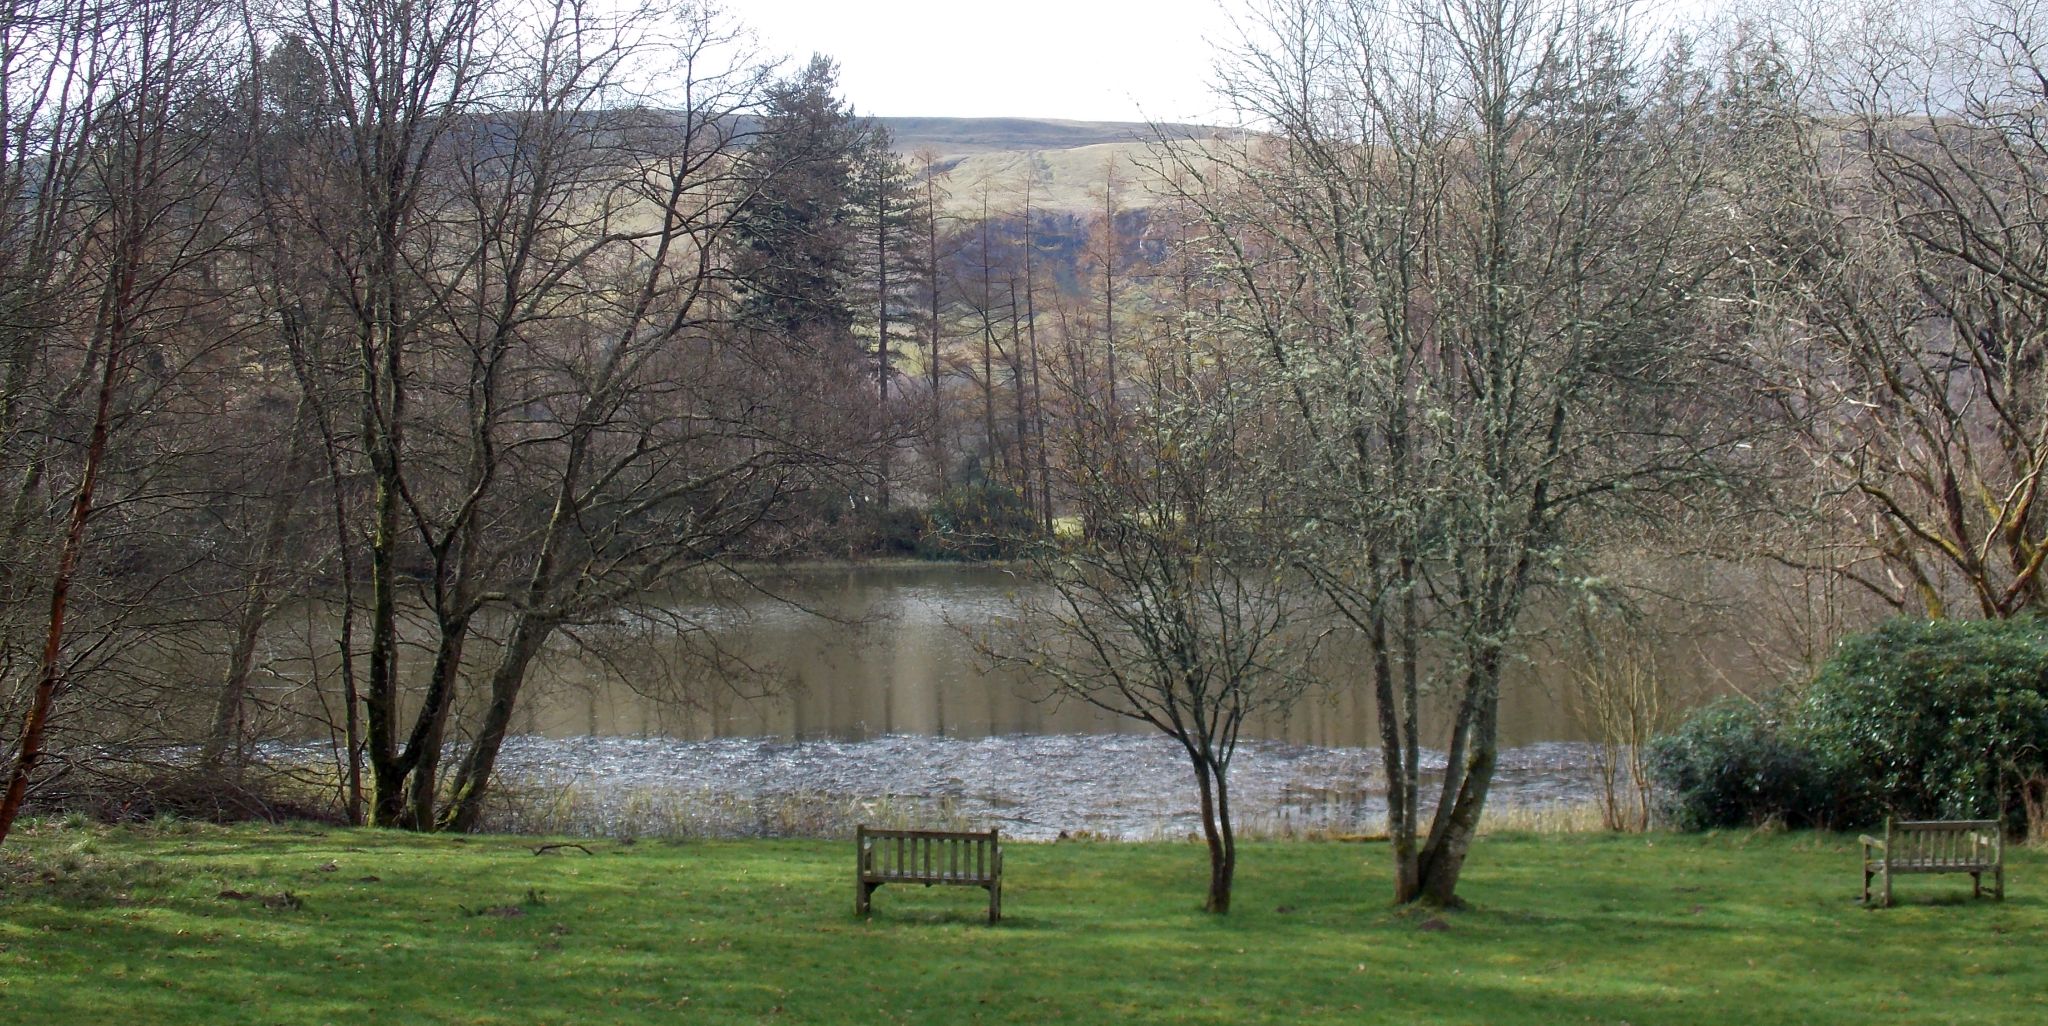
[281, 925]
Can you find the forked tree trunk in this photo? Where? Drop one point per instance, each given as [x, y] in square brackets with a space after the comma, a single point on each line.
[1444, 858]
[432, 728]
[1216, 830]
[472, 782]
[531, 628]
[1475, 748]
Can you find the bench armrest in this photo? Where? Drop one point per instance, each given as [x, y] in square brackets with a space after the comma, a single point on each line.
[1872, 842]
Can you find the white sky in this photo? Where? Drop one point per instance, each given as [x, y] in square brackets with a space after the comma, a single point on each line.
[1089, 60]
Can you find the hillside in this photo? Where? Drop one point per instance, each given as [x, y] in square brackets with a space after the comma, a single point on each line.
[960, 137]
[1068, 161]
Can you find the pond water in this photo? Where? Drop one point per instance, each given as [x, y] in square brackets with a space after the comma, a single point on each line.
[859, 688]
[853, 653]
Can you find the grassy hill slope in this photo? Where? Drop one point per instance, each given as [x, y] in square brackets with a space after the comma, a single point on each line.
[1069, 160]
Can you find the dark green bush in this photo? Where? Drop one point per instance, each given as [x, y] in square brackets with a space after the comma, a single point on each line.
[980, 520]
[1931, 719]
[1939, 719]
[896, 531]
[1732, 764]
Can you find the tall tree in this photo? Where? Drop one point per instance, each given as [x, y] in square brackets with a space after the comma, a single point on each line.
[1901, 274]
[401, 78]
[532, 268]
[1471, 251]
[934, 242]
[894, 271]
[798, 225]
[130, 128]
[669, 433]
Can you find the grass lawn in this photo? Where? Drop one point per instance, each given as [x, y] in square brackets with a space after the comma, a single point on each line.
[191, 924]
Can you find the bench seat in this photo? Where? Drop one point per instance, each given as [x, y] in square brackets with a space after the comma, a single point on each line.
[1975, 846]
[928, 857]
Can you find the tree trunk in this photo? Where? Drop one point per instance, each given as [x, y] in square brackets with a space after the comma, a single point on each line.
[223, 747]
[1444, 859]
[224, 739]
[1109, 255]
[1018, 421]
[1401, 827]
[988, 341]
[50, 673]
[383, 411]
[423, 750]
[882, 367]
[1216, 831]
[531, 628]
[935, 380]
[472, 781]
[1458, 815]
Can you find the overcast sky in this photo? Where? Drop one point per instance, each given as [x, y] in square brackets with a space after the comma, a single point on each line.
[1090, 60]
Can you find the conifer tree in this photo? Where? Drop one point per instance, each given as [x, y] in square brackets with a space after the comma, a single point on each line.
[892, 274]
[797, 229]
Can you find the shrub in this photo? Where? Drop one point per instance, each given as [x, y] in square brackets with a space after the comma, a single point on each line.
[978, 521]
[1944, 719]
[1932, 719]
[135, 793]
[892, 532]
[1732, 764]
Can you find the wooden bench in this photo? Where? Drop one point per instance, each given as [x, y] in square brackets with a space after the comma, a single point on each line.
[928, 857]
[1974, 846]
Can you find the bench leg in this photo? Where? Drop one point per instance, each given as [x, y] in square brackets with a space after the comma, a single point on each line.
[1976, 885]
[1887, 874]
[1866, 886]
[862, 897]
[1998, 883]
[995, 901]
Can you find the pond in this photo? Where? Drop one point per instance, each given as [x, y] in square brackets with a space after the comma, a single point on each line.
[849, 653]
[859, 688]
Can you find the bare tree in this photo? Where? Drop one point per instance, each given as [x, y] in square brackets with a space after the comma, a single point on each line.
[1173, 610]
[937, 435]
[667, 442]
[118, 121]
[400, 80]
[528, 263]
[1470, 253]
[1633, 663]
[1900, 280]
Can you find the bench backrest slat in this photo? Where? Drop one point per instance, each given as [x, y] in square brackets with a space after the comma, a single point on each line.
[927, 854]
[941, 834]
[1944, 844]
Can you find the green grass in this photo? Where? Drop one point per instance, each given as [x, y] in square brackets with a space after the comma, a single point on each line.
[131, 927]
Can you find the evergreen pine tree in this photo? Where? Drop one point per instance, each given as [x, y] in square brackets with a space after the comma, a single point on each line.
[796, 232]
